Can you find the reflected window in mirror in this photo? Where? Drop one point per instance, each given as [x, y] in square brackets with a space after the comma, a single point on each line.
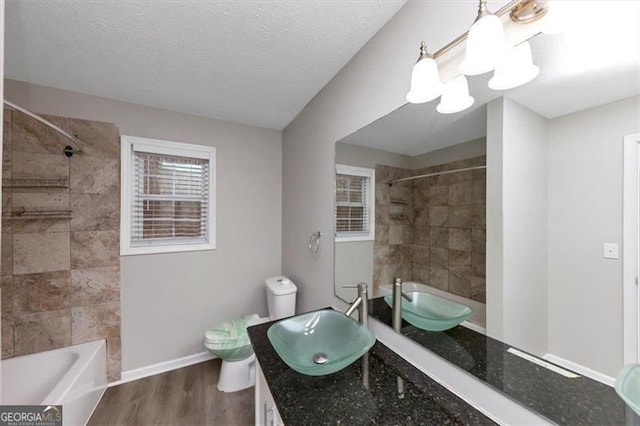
[354, 203]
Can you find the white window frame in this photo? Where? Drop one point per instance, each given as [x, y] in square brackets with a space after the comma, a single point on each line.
[127, 175]
[343, 169]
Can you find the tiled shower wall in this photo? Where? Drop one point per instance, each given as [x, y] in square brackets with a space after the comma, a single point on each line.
[60, 273]
[432, 230]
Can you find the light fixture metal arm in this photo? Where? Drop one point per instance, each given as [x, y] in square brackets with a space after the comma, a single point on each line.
[509, 7]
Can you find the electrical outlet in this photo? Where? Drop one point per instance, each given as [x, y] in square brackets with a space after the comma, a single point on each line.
[611, 251]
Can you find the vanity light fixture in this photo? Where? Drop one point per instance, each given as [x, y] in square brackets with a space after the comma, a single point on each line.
[425, 79]
[486, 44]
[516, 69]
[486, 50]
[455, 96]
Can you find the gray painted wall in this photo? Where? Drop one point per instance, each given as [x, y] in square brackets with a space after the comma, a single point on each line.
[461, 151]
[168, 300]
[371, 85]
[585, 211]
[517, 226]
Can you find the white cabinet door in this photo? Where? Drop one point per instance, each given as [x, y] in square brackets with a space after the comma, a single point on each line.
[266, 412]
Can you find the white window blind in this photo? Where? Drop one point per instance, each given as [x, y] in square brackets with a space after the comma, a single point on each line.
[171, 199]
[354, 203]
[167, 196]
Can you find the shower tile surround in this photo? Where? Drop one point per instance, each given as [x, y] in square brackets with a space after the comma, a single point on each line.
[61, 276]
[432, 230]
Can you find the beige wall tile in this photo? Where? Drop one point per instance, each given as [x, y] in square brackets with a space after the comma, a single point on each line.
[439, 237]
[95, 286]
[31, 226]
[439, 257]
[478, 264]
[439, 216]
[460, 239]
[94, 249]
[460, 280]
[33, 253]
[479, 216]
[6, 287]
[382, 235]
[478, 240]
[90, 323]
[420, 254]
[48, 291]
[460, 216]
[421, 273]
[6, 261]
[94, 175]
[421, 235]
[439, 195]
[95, 212]
[32, 165]
[458, 258]
[6, 144]
[114, 351]
[460, 194]
[439, 278]
[479, 289]
[32, 136]
[99, 139]
[42, 331]
[40, 201]
[34, 200]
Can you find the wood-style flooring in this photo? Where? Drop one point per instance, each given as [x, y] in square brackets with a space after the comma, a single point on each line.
[187, 396]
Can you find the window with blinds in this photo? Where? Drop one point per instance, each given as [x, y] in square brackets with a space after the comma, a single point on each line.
[169, 200]
[354, 203]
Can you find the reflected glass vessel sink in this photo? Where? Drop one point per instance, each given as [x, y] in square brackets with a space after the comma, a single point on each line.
[628, 386]
[430, 312]
[321, 342]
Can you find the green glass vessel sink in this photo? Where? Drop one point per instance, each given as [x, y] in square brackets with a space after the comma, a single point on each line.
[628, 386]
[430, 312]
[321, 342]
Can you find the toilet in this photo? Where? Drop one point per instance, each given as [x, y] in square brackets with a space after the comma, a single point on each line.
[229, 340]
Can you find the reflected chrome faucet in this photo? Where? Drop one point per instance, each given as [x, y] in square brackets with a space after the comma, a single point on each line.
[360, 302]
[398, 294]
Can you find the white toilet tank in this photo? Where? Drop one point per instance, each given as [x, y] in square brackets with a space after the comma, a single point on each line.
[281, 297]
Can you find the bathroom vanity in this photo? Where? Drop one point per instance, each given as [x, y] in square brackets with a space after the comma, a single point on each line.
[380, 388]
[384, 388]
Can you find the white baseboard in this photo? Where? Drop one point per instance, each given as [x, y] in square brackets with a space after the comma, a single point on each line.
[581, 369]
[162, 367]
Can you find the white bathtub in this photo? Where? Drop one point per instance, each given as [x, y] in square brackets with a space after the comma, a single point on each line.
[74, 377]
[478, 319]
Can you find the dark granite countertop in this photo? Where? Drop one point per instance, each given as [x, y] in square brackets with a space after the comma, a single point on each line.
[397, 393]
[562, 400]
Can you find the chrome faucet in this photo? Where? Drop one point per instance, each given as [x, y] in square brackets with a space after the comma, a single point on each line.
[398, 294]
[360, 302]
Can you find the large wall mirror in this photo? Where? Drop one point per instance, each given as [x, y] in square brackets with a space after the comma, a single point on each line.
[517, 232]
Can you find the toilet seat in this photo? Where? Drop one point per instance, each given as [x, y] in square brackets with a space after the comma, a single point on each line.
[230, 339]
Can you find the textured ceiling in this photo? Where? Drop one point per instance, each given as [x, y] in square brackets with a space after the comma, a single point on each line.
[251, 62]
[596, 61]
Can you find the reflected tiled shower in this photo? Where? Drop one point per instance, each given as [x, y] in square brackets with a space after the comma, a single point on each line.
[432, 230]
[60, 237]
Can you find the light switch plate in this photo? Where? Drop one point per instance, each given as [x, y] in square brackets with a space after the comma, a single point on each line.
[611, 251]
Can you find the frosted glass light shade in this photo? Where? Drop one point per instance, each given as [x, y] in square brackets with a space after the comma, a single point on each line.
[425, 82]
[486, 46]
[517, 69]
[455, 96]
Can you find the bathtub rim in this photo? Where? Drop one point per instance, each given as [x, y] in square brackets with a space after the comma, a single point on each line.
[87, 351]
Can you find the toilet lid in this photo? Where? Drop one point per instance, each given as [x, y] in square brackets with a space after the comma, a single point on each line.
[228, 332]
